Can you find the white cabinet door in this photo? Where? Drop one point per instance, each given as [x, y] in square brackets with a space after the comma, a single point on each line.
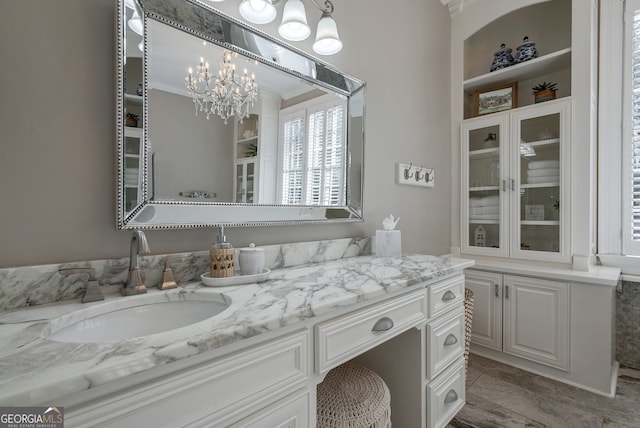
[485, 201]
[539, 182]
[486, 326]
[536, 320]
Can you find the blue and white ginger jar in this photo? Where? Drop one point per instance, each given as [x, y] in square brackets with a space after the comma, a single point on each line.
[526, 51]
[502, 58]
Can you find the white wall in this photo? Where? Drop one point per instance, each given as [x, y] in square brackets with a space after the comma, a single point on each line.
[57, 157]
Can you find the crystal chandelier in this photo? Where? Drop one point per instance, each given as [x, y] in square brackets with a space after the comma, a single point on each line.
[223, 94]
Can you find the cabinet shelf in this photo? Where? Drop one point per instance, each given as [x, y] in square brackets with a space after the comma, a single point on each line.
[539, 223]
[540, 185]
[541, 143]
[133, 99]
[484, 189]
[472, 221]
[484, 153]
[550, 63]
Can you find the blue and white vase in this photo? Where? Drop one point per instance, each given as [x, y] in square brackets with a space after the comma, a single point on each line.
[502, 58]
[526, 51]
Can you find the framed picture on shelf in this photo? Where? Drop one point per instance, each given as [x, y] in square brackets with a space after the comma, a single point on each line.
[493, 100]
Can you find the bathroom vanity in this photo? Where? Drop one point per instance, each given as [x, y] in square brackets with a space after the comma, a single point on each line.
[257, 363]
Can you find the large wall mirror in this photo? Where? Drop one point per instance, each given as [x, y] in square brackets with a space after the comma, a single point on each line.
[292, 152]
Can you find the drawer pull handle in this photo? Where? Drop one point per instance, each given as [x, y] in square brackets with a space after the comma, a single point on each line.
[450, 340]
[383, 324]
[451, 397]
[448, 296]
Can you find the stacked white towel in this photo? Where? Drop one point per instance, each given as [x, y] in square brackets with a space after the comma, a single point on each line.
[485, 208]
[543, 172]
[131, 176]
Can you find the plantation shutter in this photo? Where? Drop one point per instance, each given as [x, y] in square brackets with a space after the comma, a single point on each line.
[631, 132]
[326, 152]
[293, 161]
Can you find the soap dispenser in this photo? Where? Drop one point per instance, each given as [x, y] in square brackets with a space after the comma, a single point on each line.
[221, 263]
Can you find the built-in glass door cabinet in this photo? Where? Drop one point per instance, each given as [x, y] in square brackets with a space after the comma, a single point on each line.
[245, 180]
[515, 177]
[246, 159]
[132, 145]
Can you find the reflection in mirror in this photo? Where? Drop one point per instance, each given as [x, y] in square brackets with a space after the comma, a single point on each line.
[294, 154]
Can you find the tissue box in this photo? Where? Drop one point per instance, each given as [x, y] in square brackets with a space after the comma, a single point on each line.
[388, 243]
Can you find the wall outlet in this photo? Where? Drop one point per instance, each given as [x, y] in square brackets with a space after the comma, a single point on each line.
[414, 175]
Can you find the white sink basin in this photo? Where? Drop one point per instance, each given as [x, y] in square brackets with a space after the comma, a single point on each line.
[135, 316]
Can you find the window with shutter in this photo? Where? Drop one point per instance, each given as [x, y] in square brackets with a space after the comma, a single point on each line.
[313, 170]
[631, 141]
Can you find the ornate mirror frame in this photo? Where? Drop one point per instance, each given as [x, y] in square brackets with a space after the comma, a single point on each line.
[199, 19]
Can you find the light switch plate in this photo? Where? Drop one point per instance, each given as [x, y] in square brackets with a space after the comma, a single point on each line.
[414, 175]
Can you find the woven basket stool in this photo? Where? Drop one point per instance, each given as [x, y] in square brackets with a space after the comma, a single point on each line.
[468, 320]
[352, 396]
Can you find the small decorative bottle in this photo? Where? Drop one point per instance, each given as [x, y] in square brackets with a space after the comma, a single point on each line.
[221, 263]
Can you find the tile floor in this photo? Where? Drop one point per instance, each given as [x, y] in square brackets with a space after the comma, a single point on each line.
[503, 396]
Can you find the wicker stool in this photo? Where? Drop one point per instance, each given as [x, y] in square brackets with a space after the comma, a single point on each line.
[468, 319]
[352, 396]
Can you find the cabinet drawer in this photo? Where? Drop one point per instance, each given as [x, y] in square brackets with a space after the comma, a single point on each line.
[445, 395]
[445, 296]
[211, 394]
[445, 342]
[341, 339]
[290, 412]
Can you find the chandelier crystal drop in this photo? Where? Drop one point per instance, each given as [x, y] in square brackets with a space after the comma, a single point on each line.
[224, 94]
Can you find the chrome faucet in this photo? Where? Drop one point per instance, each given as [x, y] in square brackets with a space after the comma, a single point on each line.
[134, 283]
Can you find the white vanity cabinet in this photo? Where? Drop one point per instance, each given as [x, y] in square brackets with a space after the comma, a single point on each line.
[515, 183]
[253, 387]
[413, 339]
[521, 316]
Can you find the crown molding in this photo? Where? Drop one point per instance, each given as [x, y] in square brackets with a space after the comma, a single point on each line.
[455, 6]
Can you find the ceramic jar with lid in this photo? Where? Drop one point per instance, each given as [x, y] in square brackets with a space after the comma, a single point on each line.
[251, 260]
[502, 58]
[526, 51]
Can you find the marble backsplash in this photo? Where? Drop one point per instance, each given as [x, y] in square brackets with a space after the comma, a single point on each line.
[37, 285]
[628, 325]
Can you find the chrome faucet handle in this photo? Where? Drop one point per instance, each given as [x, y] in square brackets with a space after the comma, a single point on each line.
[92, 292]
[168, 281]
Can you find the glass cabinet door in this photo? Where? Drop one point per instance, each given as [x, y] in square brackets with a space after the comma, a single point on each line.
[239, 183]
[484, 196]
[541, 181]
[250, 182]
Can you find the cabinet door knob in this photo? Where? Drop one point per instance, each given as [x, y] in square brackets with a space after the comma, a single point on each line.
[497, 289]
[451, 397]
[383, 324]
[448, 296]
[506, 292]
[450, 340]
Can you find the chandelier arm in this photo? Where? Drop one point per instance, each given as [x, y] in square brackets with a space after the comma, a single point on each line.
[326, 9]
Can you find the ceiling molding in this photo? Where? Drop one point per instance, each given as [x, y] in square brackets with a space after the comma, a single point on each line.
[455, 6]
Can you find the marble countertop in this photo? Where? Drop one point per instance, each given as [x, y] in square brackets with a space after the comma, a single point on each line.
[35, 370]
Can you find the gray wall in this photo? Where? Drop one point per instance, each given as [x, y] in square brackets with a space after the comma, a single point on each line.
[57, 129]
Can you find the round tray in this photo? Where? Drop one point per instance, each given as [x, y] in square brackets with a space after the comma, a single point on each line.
[234, 280]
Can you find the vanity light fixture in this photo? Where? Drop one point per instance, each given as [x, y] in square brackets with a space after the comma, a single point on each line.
[294, 25]
[135, 22]
[224, 94]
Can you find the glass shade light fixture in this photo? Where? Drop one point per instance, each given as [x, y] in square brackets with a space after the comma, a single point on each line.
[258, 11]
[135, 22]
[294, 25]
[224, 94]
